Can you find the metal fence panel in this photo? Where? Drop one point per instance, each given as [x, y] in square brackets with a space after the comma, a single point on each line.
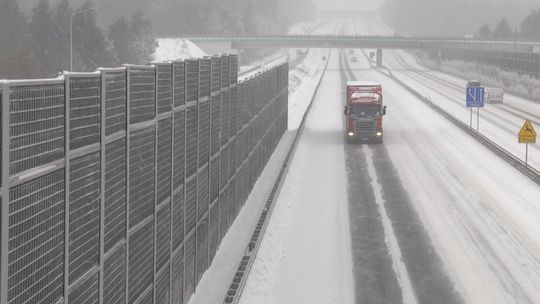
[216, 74]
[164, 160]
[225, 68]
[177, 279]
[114, 290]
[223, 214]
[233, 69]
[85, 111]
[202, 249]
[115, 193]
[204, 133]
[164, 88]
[142, 90]
[179, 68]
[123, 239]
[204, 78]
[141, 262]
[162, 287]
[213, 230]
[179, 157]
[192, 80]
[233, 112]
[214, 179]
[115, 102]
[36, 126]
[84, 206]
[224, 118]
[191, 140]
[232, 158]
[203, 196]
[87, 292]
[224, 168]
[141, 175]
[215, 121]
[189, 267]
[178, 219]
[191, 205]
[232, 200]
[163, 237]
[36, 261]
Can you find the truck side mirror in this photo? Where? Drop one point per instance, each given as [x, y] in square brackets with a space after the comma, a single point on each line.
[384, 110]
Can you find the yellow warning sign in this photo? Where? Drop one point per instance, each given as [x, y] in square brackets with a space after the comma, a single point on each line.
[527, 134]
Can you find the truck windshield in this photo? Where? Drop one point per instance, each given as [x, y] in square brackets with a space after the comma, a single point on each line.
[367, 110]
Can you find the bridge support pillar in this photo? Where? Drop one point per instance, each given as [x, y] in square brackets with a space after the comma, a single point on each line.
[439, 58]
[379, 58]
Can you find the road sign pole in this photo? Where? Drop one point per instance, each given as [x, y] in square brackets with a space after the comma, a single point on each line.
[526, 155]
[478, 119]
[470, 120]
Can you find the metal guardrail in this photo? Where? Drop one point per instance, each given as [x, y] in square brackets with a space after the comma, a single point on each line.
[119, 185]
[241, 276]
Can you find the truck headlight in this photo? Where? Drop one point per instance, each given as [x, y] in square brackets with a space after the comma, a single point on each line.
[379, 133]
[351, 134]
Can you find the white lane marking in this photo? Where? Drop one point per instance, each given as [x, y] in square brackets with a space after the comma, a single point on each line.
[389, 235]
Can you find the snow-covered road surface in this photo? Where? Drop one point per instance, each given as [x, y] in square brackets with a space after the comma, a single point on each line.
[305, 256]
[482, 215]
[466, 223]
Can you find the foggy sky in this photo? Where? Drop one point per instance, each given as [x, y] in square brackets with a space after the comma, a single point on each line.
[343, 5]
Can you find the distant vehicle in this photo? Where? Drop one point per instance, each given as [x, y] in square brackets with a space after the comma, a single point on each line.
[364, 112]
[324, 58]
[353, 59]
[474, 83]
[494, 95]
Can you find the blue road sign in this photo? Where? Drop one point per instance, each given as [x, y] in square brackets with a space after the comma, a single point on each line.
[475, 97]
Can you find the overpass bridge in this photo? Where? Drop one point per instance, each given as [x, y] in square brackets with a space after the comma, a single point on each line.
[368, 42]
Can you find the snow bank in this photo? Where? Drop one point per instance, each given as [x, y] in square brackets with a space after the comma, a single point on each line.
[176, 49]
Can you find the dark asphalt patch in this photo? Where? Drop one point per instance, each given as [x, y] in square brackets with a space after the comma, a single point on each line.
[430, 282]
[375, 279]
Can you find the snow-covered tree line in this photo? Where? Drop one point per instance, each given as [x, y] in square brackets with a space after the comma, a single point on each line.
[528, 29]
[452, 17]
[38, 45]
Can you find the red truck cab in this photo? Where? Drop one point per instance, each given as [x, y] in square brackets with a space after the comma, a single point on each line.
[364, 112]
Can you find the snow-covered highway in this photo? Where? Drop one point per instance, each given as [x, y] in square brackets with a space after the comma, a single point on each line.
[434, 217]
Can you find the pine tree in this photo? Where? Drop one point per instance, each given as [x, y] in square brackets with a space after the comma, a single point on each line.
[143, 39]
[530, 27]
[15, 59]
[134, 41]
[484, 32]
[502, 30]
[120, 35]
[61, 16]
[42, 34]
[91, 47]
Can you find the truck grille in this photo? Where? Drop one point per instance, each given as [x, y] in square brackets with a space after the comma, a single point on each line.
[364, 128]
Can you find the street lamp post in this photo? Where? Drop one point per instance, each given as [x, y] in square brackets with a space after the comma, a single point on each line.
[71, 34]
